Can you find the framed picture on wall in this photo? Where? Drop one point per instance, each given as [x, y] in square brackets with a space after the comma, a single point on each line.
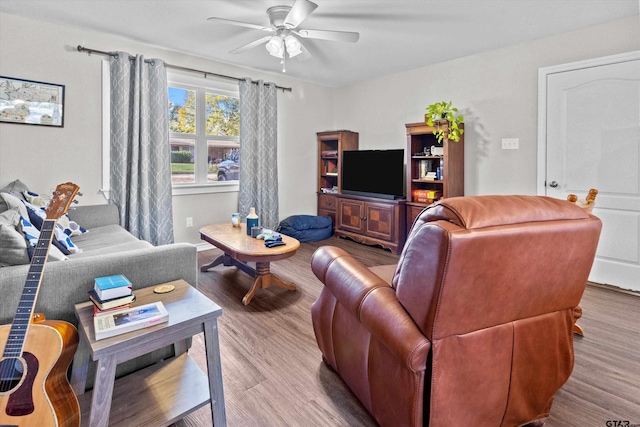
[31, 103]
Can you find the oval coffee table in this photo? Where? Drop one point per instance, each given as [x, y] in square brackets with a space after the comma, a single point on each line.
[239, 248]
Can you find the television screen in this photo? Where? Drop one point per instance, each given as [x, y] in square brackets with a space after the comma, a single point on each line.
[375, 173]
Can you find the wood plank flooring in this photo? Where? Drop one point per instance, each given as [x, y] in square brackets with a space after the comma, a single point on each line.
[274, 375]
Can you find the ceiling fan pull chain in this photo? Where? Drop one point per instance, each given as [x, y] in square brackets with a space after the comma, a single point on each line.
[284, 59]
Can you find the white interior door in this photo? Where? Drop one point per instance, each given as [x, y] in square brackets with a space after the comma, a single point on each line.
[589, 137]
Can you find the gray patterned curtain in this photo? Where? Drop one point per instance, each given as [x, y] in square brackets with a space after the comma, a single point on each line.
[140, 150]
[258, 151]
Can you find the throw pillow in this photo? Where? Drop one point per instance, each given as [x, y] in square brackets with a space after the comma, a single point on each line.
[13, 187]
[16, 187]
[32, 234]
[70, 228]
[10, 201]
[35, 199]
[60, 239]
[13, 247]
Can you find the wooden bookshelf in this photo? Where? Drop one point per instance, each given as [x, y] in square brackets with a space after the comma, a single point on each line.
[448, 183]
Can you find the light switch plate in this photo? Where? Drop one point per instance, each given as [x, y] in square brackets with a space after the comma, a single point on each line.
[510, 143]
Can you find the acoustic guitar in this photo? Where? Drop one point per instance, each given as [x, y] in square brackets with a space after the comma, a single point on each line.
[34, 390]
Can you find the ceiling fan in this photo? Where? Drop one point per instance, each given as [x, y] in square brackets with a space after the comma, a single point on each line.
[284, 28]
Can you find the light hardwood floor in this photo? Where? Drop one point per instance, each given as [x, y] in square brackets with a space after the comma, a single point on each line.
[274, 375]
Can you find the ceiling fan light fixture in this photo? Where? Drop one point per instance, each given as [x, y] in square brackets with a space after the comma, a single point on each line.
[293, 46]
[275, 46]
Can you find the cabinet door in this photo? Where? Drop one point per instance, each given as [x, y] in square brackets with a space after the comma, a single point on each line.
[379, 221]
[327, 202]
[351, 215]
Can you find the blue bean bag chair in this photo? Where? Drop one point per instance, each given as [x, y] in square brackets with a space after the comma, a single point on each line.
[306, 228]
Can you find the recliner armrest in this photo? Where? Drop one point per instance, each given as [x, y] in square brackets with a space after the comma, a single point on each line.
[373, 302]
[386, 319]
[347, 279]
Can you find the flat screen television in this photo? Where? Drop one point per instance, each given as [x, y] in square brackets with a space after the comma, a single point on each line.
[374, 173]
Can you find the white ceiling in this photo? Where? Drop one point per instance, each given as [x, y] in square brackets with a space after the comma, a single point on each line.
[395, 35]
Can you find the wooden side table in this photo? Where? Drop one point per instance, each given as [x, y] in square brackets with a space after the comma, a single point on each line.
[165, 392]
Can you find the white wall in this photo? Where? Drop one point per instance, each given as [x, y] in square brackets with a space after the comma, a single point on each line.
[497, 93]
[42, 157]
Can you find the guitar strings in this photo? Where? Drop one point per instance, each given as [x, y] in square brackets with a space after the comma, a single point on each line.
[11, 357]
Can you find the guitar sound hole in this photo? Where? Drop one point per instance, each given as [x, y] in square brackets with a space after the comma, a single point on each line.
[11, 372]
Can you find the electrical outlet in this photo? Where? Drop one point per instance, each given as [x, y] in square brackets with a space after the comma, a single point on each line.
[189, 222]
[510, 143]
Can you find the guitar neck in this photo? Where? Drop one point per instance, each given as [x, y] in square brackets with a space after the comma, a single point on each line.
[26, 306]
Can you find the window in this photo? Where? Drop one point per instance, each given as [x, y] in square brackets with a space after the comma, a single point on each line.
[204, 129]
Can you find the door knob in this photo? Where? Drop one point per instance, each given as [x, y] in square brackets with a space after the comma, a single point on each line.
[553, 184]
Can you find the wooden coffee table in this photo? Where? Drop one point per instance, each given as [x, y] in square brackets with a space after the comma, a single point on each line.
[239, 248]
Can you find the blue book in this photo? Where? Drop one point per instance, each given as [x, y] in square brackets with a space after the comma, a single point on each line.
[110, 287]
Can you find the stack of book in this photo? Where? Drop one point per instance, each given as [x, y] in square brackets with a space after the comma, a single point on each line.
[426, 196]
[430, 176]
[111, 293]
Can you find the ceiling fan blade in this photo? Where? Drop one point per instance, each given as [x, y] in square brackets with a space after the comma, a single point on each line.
[300, 10]
[241, 24]
[338, 36]
[251, 45]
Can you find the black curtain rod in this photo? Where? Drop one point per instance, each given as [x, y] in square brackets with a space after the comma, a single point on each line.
[176, 67]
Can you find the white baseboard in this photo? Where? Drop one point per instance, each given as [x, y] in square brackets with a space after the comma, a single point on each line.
[204, 246]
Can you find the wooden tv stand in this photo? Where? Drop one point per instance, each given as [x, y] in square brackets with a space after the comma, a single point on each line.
[371, 221]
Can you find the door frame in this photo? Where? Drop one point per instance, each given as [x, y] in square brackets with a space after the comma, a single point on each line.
[543, 74]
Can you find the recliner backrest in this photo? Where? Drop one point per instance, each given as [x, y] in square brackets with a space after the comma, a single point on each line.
[471, 263]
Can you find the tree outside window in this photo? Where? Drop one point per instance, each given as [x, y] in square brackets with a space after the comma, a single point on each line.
[204, 133]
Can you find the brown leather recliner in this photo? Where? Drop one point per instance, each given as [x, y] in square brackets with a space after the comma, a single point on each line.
[473, 325]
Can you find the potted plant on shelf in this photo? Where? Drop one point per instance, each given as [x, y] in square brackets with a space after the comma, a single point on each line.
[443, 111]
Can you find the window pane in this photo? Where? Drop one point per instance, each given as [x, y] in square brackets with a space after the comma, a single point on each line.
[182, 110]
[224, 157]
[223, 115]
[182, 156]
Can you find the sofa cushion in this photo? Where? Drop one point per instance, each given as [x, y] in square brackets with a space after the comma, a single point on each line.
[121, 248]
[108, 239]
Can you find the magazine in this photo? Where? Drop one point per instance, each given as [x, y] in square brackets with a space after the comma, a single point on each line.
[129, 319]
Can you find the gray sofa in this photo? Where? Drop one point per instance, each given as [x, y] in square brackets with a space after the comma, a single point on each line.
[107, 249]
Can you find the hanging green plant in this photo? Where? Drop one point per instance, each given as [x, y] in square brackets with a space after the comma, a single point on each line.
[443, 111]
